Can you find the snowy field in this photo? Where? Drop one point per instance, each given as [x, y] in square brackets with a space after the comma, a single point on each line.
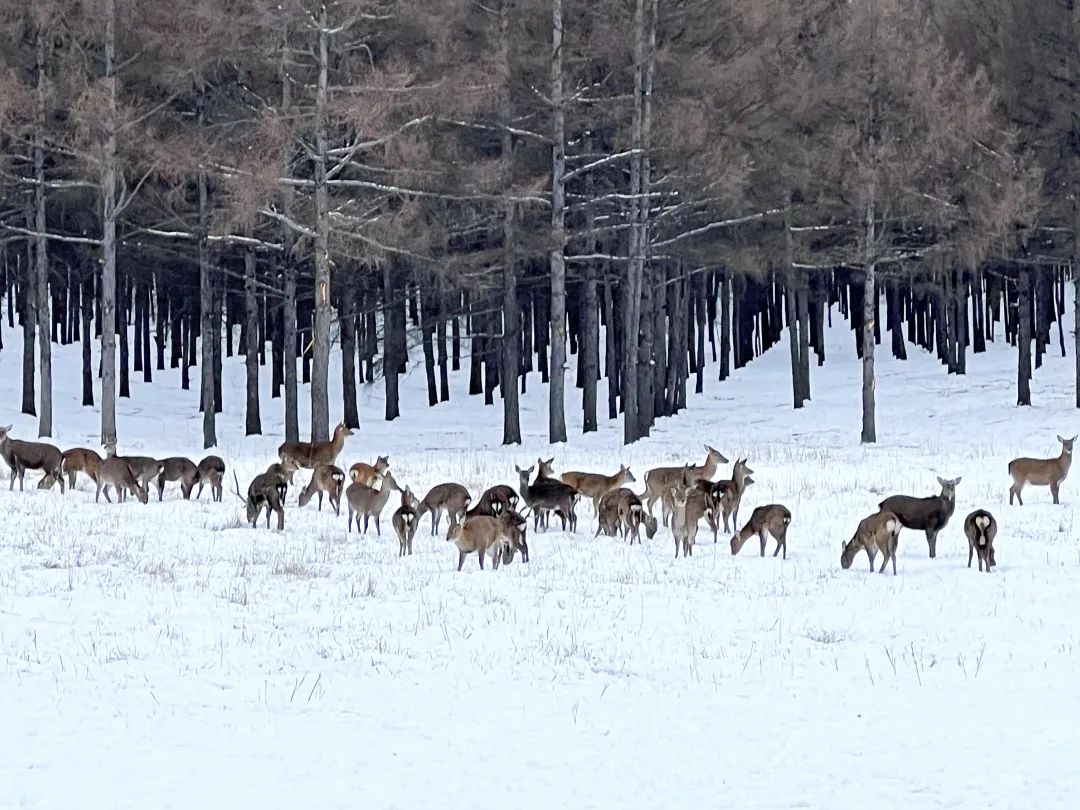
[168, 656]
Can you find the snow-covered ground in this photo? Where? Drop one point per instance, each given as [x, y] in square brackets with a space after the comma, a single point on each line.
[168, 655]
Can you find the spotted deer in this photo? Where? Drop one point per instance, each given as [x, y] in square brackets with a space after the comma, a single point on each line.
[930, 514]
[484, 536]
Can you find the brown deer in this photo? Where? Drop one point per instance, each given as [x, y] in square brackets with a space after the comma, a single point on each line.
[608, 520]
[369, 474]
[548, 495]
[144, 468]
[771, 519]
[728, 495]
[661, 479]
[212, 472]
[177, 468]
[495, 500]
[116, 472]
[285, 473]
[596, 486]
[981, 529]
[80, 460]
[622, 511]
[683, 524]
[517, 528]
[483, 535]
[450, 498]
[405, 520]
[311, 454]
[369, 502]
[878, 532]
[21, 456]
[264, 492]
[1041, 472]
[326, 478]
[929, 514]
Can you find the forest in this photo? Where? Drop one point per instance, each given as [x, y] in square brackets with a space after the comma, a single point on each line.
[648, 185]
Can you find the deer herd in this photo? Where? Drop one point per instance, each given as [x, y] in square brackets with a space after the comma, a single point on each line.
[494, 528]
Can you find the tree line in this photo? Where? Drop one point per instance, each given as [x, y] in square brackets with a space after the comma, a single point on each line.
[650, 185]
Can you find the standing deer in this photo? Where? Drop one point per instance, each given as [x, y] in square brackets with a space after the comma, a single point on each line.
[369, 474]
[285, 471]
[1041, 472]
[450, 498]
[144, 468]
[311, 454]
[116, 472]
[212, 472]
[483, 535]
[369, 502]
[774, 519]
[80, 460]
[495, 500]
[21, 456]
[981, 529]
[264, 492]
[595, 486]
[660, 479]
[178, 468]
[548, 495]
[728, 495]
[622, 511]
[929, 514]
[405, 521]
[326, 478]
[683, 524]
[878, 532]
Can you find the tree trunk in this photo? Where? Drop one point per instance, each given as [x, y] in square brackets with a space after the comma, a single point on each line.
[123, 305]
[206, 317]
[1023, 366]
[289, 315]
[427, 331]
[252, 418]
[110, 213]
[611, 349]
[28, 299]
[320, 336]
[148, 372]
[556, 389]
[869, 430]
[391, 310]
[347, 311]
[87, 313]
[510, 345]
[725, 324]
[440, 339]
[41, 255]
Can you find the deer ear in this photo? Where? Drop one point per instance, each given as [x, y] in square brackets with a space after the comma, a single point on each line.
[1060, 439]
[1073, 439]
[957, 480]
[941, 480]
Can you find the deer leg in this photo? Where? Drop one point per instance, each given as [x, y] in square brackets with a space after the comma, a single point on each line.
[107, 498]
[280, 517]
[378, 529]
[366, 519]
[871, 553]
[1054, 491]
[931, 539]
[763, 538]
[350, 518]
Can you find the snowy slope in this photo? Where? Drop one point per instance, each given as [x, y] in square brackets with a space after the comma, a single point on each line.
[169, 656]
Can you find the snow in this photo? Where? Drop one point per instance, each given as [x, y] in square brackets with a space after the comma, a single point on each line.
[170, 656]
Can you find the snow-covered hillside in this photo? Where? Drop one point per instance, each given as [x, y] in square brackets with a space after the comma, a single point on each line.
[168, 656]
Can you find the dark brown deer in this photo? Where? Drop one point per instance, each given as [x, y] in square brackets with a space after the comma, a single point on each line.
[1041, 472]
[212, 473]
[405, 521]
[311, 454]
[495, 500]
[21, 456]
[264, 492]
[548, 495]
[369, 474]
[177, 468]
[449, 498]
[930, 514]
[517, 529]
[326, 479]
[116, 472]
[369, 502]
[771, 519]
[981, 529]
[728, 495]
[875, 533]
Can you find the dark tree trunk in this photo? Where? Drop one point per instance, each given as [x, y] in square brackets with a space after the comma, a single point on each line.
[87, 312]
[725, 324]
[427, 329]
[393, 311]
[440, 339]
[28, 312]
[123, 303]
[252, 417]
[455, 336]
[979, 312]
[277, 352]
[611, 349]
[347, 315]
[510, 345]
[1023, 366]
[590, 350]
[893, 305]
[148, 372]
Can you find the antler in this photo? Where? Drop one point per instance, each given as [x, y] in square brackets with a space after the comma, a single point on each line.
[237, 480]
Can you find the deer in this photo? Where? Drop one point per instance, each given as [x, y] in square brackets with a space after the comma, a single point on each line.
[326, 478]
[369, 474]
[80, 460]
[774, 519]
[264, 492]
[981, 529]
[595, 486]
[929, 514]
[622, 510]
[878, 532]
[547, 494]
[451, 498]
[21, 456]
[212, 472]
[683, 526]
[285, 473]
[144, 468]
[405, 521]
[495, 500]
[517, 528]
[485, 536]
[1041, 472]
[311, 454]
[116, 472]
[660, 479]
[369, 502]
[728, 495]
[177, 468]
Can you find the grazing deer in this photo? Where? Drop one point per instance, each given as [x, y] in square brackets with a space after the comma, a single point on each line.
[878, 532]
[264, 492]
[21, 456]
[369, 474]
[517, 528]
[608, 520]
[771, 519]
[495, 500]
[326, 478]
[311, 454]
[405, 521]
[929, 514]
[212, 472]
[116, 472]
[596, 486]
[285, 473]
[483, 535]
[622, 510]
[548, 495]
[178, 468]
[144, 468]
[451, 498]
[660, 479]
[80, 460]
[981, 529]
[1041, 472]
[369, 502]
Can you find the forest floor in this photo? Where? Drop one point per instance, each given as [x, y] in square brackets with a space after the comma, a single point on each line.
[169, 656]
